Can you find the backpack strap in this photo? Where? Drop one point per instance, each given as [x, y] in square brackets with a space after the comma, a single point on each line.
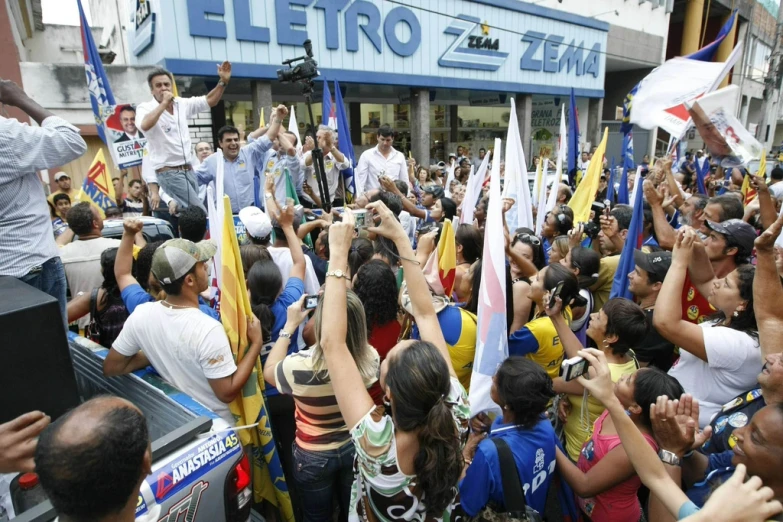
[94, 304]
[513, 493]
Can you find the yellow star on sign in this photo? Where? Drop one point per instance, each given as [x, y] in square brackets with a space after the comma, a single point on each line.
[485, 28]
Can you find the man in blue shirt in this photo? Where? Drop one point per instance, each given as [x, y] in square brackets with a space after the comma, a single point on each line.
[240, 162]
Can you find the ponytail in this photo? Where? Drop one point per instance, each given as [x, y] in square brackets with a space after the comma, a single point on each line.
[439, 463]
[264, 283]
[420, 383]
[265, 316]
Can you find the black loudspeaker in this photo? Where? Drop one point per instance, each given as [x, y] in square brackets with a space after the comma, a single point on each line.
[36, 371]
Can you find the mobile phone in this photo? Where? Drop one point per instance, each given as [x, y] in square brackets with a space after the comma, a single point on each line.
[573, 368]
[311, 302]
[556, 293]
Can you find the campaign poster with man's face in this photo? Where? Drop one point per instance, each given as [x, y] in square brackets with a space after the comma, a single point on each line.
[127, 142]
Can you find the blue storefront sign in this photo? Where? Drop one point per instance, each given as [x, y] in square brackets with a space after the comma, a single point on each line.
[494, 45]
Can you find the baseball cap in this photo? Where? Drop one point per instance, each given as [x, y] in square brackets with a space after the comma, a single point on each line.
[174, 258]
[656, 263]
[256, 222]
[742, 233]
[60, 175]
[441, 164]
[436, 191]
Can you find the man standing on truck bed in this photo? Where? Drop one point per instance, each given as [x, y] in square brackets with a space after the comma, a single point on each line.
[27, 248]
[92, 461]
[187, 348]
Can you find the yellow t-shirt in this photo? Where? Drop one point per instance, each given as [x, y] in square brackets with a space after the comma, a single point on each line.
[576, 431]
[539, 342]
[603, 287]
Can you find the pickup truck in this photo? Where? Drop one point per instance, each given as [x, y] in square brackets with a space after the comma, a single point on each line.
[200, 472]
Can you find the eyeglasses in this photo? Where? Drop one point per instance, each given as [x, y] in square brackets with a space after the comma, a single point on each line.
[533, 240]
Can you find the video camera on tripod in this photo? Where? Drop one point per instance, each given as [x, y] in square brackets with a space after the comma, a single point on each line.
[303, 75]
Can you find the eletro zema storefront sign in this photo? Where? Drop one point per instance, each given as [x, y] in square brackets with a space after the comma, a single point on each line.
[493, 45]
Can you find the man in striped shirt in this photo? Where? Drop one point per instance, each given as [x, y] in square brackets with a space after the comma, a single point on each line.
[27, 248]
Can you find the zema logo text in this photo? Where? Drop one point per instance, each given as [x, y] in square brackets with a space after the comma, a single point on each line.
[471, 51]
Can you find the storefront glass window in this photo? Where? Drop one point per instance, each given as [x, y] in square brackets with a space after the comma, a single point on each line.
[479, 126]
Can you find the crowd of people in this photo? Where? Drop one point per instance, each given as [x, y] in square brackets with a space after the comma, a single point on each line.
[368, 392]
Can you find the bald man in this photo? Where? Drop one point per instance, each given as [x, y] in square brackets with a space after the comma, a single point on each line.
[92, 461]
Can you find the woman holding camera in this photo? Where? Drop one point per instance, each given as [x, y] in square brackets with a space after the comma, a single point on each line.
[323, 452]
[618, 326]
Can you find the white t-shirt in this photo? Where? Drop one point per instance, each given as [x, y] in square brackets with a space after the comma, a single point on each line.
[733, 368]
[82, 262]
[168, 141]
[185, 346]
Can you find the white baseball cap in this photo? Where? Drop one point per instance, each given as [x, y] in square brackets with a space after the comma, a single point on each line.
[256, 222]
[61, 175]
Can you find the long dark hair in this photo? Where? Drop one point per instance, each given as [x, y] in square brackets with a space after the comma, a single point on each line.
[264, 281]
[555, 273]
[525, 388]
[588, 261]
[745, 321]
[419, 382]
[471, 240]
[528, 237]
[144, 263]
[472, 304]
[110, 287]
[376, 287]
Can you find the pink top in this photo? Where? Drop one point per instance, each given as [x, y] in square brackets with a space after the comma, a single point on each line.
[620, 503]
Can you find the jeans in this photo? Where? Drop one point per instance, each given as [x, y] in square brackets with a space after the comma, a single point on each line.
[182, 186]
[51, 280]
[319, 475]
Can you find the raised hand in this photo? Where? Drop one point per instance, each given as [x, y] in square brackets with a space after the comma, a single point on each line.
[600, 383]
[224, 71]
[740, 500]
[766, 241]
[18, 439]
[132, 226]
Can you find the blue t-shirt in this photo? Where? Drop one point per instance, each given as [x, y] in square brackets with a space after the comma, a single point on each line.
[134, 295]
[719, 470]
[534, 455]
[293, 291]
[547, 246]
[450, 320]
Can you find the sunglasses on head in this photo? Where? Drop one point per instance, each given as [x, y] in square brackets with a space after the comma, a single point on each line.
[533, 240]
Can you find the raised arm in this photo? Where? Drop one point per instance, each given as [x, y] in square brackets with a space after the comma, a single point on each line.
[571, 345]
[388, 185]
[286, 220]
[349, 388]
[296, 315]
[766, 203]
[151, 118]
[768, 291]
[418, 291]
[228, 388]
[123, 264]
[668, 308]
[53, 144]
[663, 230]
[224, 72]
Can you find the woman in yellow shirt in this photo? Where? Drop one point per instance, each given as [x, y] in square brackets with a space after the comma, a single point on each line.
[618, 326]
[538, 340]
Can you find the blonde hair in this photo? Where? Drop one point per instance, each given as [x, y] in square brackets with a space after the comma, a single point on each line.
[560, 244]
[365, 356]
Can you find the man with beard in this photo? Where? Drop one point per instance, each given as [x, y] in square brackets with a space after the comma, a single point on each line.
[239, 163]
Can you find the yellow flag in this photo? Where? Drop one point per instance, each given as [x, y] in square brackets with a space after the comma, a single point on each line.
[584, 196]
[174, 89]
[97, 187]
[249, 408]
[748, 192]
[261, 120]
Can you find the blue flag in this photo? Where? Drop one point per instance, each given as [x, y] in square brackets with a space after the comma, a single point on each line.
[705, 54]
[328, 108]
[610, 184]
[628, 165]
[344, 144]
[701, 174]
[101, 97]
[573, 139]
[632, 242]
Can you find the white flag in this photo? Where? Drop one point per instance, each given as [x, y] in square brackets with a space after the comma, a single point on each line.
[521, 213]
[472, 191]
[491, 334]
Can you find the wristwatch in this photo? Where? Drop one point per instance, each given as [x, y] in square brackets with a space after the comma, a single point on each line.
[337, 273]
[267, 195]
[669, 458]
[285, 334]
[222, 83]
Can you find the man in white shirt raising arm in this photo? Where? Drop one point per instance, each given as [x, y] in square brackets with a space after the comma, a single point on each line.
[164, 120]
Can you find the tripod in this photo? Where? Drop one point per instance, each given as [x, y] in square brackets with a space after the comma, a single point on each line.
[317, 154]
